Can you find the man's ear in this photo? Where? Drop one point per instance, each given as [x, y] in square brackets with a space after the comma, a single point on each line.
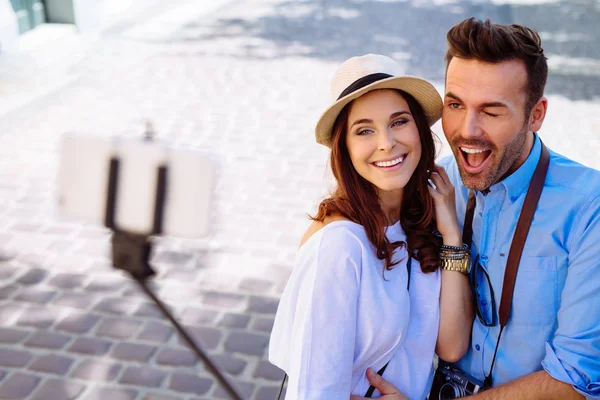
[537, 115]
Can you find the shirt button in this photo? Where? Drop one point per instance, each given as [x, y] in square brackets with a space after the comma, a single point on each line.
[484, 258]
[513, 198]
[477, 347]
[483, 303]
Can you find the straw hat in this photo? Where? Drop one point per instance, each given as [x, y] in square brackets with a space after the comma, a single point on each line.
[359, 75]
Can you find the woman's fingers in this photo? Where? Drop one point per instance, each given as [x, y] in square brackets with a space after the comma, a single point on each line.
[443, 174]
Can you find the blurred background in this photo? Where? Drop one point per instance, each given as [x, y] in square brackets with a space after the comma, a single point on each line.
[245, 81]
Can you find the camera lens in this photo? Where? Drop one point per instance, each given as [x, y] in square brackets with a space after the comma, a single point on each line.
[449, 391]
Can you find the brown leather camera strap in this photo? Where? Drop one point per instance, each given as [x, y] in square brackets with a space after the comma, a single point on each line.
[518, 242]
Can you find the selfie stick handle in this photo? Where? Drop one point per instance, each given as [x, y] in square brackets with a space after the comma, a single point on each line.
[229, 388]
[131, 253]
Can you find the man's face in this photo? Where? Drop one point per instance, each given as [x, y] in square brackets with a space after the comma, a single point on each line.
[484, 119]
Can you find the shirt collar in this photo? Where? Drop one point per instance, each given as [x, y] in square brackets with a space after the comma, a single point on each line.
[517, 183]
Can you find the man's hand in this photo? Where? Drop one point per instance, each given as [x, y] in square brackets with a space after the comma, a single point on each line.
[389, 391]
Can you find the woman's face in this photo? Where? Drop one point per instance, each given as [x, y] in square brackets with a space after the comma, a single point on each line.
[383, 140]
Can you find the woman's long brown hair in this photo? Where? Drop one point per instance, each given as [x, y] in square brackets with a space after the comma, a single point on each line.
[356, 199]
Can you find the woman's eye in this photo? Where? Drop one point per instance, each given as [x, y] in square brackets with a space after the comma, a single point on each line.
[399, 122]
[490, 114]
[362, 132]
[454, 105]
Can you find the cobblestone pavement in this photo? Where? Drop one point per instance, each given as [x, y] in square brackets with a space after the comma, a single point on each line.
[245, 82]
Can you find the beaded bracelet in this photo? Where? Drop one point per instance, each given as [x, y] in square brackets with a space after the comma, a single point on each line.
[464, 248]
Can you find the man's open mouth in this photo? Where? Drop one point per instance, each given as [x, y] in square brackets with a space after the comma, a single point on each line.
[474, 159]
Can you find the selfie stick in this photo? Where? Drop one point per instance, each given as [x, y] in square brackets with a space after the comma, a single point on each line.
[131, 253]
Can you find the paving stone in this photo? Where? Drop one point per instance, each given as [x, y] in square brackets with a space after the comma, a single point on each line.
[77, 300]
[96, 370]
[133, 352]
[257, 286]
[237, 321]
[156, 396]
[245, 389]
[14, 358]
[171, 257]
[112, 394]
[223, 300]
[149, 310]
[119, 306]
[91, 346]
[231, 365]
[118, 328]
[7, 291]
[52, 364]
[198, 316]
[34, 295]
[156, 332]
[266, 370]
[187, 383]
[67, 281]
[9, 313]
[143, 376]
[6, 271]
[175, 357]
[58, 389]
[247, 343]
[269, 392]
[208, 338]
[48, 340]
[11, 335]
[110, 285]
[33, 276]
[263, 305]
[18, 386]
[181, 275]
[78, 323]
[38, 317]
[263, 324]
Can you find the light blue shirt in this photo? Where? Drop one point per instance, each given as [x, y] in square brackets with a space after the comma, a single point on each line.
[555, 315]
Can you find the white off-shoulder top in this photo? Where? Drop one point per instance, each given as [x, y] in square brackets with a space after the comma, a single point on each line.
[340, 313]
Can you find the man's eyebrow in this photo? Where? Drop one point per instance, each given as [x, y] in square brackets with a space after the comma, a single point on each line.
[484, 105]
[453, 96]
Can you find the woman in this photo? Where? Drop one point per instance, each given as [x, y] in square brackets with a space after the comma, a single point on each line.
[356, 300]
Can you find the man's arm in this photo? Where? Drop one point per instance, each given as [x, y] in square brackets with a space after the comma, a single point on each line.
[538, 385]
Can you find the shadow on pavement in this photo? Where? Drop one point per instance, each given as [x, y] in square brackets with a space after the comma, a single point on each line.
[414, 32]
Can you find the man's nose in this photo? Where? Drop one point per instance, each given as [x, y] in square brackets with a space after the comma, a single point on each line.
[471, 126]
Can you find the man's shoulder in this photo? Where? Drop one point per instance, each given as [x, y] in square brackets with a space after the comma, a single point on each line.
[573, 176]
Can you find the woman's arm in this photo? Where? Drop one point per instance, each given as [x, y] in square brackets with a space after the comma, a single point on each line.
[456, 306]
[318, 313]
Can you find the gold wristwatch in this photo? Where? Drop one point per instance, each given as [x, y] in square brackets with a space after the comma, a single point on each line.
[462, 265]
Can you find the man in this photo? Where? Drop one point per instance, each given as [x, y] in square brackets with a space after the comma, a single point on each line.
[493, 107]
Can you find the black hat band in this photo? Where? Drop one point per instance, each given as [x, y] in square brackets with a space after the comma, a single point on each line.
[362, 82]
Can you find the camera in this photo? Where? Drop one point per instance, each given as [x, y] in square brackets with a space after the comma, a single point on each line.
[450, 382]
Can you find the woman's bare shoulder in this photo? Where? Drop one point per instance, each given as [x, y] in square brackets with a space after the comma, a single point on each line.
[316, 226]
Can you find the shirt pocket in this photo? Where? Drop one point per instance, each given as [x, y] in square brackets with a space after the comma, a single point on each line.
[536, 299]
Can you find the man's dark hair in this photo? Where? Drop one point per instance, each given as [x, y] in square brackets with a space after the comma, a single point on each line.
[494, 43]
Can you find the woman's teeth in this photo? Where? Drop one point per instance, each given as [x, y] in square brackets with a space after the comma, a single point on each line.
[390, 163]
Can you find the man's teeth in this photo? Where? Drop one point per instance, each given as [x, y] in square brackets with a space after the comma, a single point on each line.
[472, 151]
[390, 163]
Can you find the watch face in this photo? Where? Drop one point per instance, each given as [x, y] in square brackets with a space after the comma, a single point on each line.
[469, 265]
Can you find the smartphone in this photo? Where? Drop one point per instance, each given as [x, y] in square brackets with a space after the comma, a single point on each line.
[84, 184]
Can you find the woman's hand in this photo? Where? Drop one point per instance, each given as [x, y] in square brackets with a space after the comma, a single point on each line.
[445, 206]
[388, 391]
